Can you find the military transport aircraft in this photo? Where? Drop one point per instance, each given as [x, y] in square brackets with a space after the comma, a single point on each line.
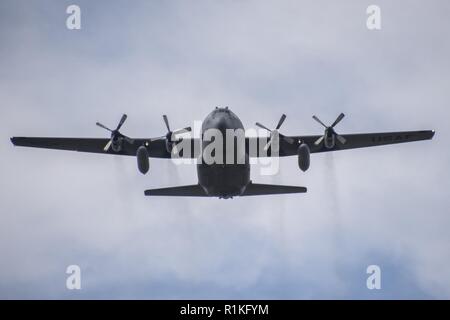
[224, 180]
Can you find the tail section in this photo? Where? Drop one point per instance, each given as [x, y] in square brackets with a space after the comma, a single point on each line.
[256, 189]
[253, 189]
[194, 190]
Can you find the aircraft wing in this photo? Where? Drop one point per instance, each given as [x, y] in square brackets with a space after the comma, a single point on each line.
[363, 140]
[353, 141]
[156, 146]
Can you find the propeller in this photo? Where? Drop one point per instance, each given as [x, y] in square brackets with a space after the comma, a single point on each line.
[115, 134]
[275, 132]
[329, 130]
[170, 134]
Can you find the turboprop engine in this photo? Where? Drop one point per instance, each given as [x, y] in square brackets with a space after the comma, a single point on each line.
[330, 135]
[116, 141]
[170, 140]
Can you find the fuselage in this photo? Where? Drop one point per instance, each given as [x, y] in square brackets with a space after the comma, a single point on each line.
[224, 179]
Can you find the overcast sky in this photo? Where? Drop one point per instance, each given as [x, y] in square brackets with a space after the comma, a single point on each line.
[387, 206]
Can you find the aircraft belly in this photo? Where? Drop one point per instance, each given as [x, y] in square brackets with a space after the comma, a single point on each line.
[224, 180]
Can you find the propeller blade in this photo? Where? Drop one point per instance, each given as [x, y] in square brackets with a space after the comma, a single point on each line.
[318, 120]
[122, 120]
[103, 126]
[183, 130]
[341, 139]
[166, 121]
[263, 127]
[338, 119]
[108, 145]
[283, 117]
[266, 147]
[175, 149]
[319, 141]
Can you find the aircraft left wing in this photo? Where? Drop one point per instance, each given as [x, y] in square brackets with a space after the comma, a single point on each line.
[353, 141]
[156, 146]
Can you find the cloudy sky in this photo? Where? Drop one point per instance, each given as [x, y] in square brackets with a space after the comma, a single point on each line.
[387, 206]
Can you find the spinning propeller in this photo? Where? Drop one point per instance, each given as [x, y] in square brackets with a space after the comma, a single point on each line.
[329, 132]
[116, 136]
[170, 134]
[275, 132]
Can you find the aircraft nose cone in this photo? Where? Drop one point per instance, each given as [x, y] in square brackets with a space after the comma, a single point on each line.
[221, 123]
[221, 119]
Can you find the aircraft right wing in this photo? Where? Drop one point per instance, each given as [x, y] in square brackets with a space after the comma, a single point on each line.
[364, 140]
[352, 141]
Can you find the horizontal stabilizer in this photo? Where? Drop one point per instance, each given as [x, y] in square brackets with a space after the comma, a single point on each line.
[255, 189]
[194, 190]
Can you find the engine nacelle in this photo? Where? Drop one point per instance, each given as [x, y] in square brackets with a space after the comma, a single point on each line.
[116, 143]
[142, 159]
[330, 139]
[169, 146]
[303, 157]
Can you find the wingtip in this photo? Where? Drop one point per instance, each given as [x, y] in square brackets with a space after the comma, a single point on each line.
[13, 140]
[432, 134]
[149, 192]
